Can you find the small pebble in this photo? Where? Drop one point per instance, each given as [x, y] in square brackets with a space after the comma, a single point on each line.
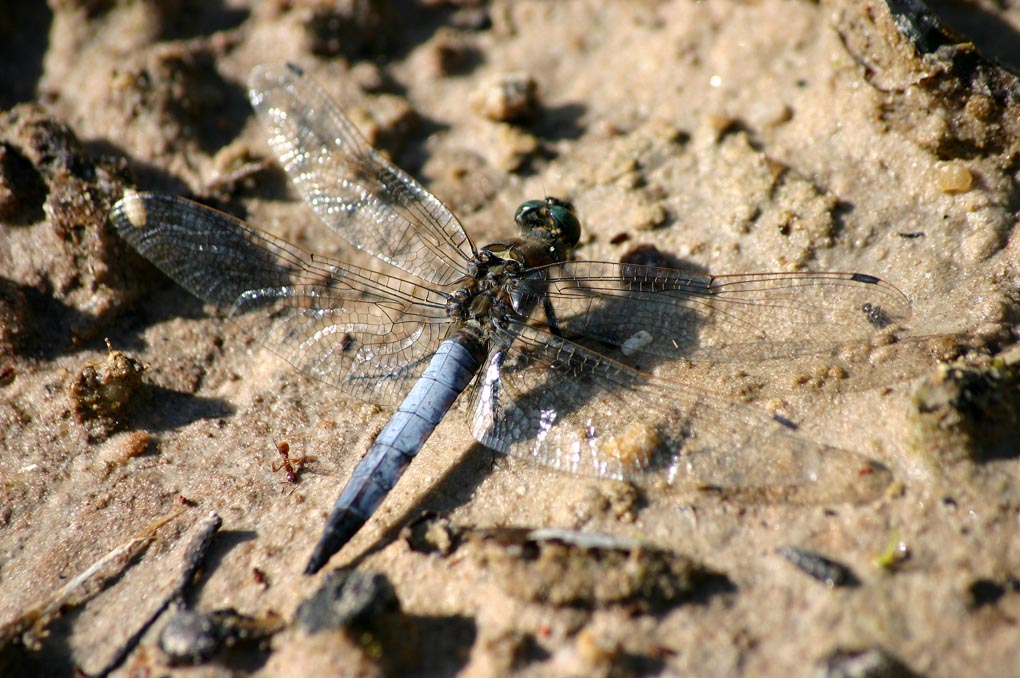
[190, 638]
[348, 599]
[953, 177]
[511, 97]
[869, 663]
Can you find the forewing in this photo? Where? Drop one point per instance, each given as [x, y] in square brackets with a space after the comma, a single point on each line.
[369, 201]
[723, 318]
[367, 333]
[555, 402]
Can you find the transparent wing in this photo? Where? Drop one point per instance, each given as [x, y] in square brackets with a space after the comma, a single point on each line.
[370, 202]
[716, 318]
[367, 333]
[555, 402]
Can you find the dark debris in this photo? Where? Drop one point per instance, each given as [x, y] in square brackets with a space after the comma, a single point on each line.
[102, 390]
[15, 317]
[365, 607]
[983, 592]
[352, 28]
[930, 73]
[974, 408]
[815, 565]
[70, 255]
[349, 599]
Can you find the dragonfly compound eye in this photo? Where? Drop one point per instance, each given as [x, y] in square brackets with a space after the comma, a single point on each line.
[567, 225]
[556, 216]
[530, 214]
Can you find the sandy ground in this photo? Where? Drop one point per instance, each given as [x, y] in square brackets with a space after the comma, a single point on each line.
[735, 136]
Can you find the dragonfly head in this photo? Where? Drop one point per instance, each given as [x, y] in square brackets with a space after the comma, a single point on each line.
[557, 217]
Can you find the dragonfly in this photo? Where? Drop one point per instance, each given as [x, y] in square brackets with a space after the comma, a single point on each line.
[557, 356]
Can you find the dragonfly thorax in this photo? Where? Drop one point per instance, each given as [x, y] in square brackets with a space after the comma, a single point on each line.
[495, 266]
[550, 229]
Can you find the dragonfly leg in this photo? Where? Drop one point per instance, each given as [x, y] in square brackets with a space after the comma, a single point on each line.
[550, 316]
